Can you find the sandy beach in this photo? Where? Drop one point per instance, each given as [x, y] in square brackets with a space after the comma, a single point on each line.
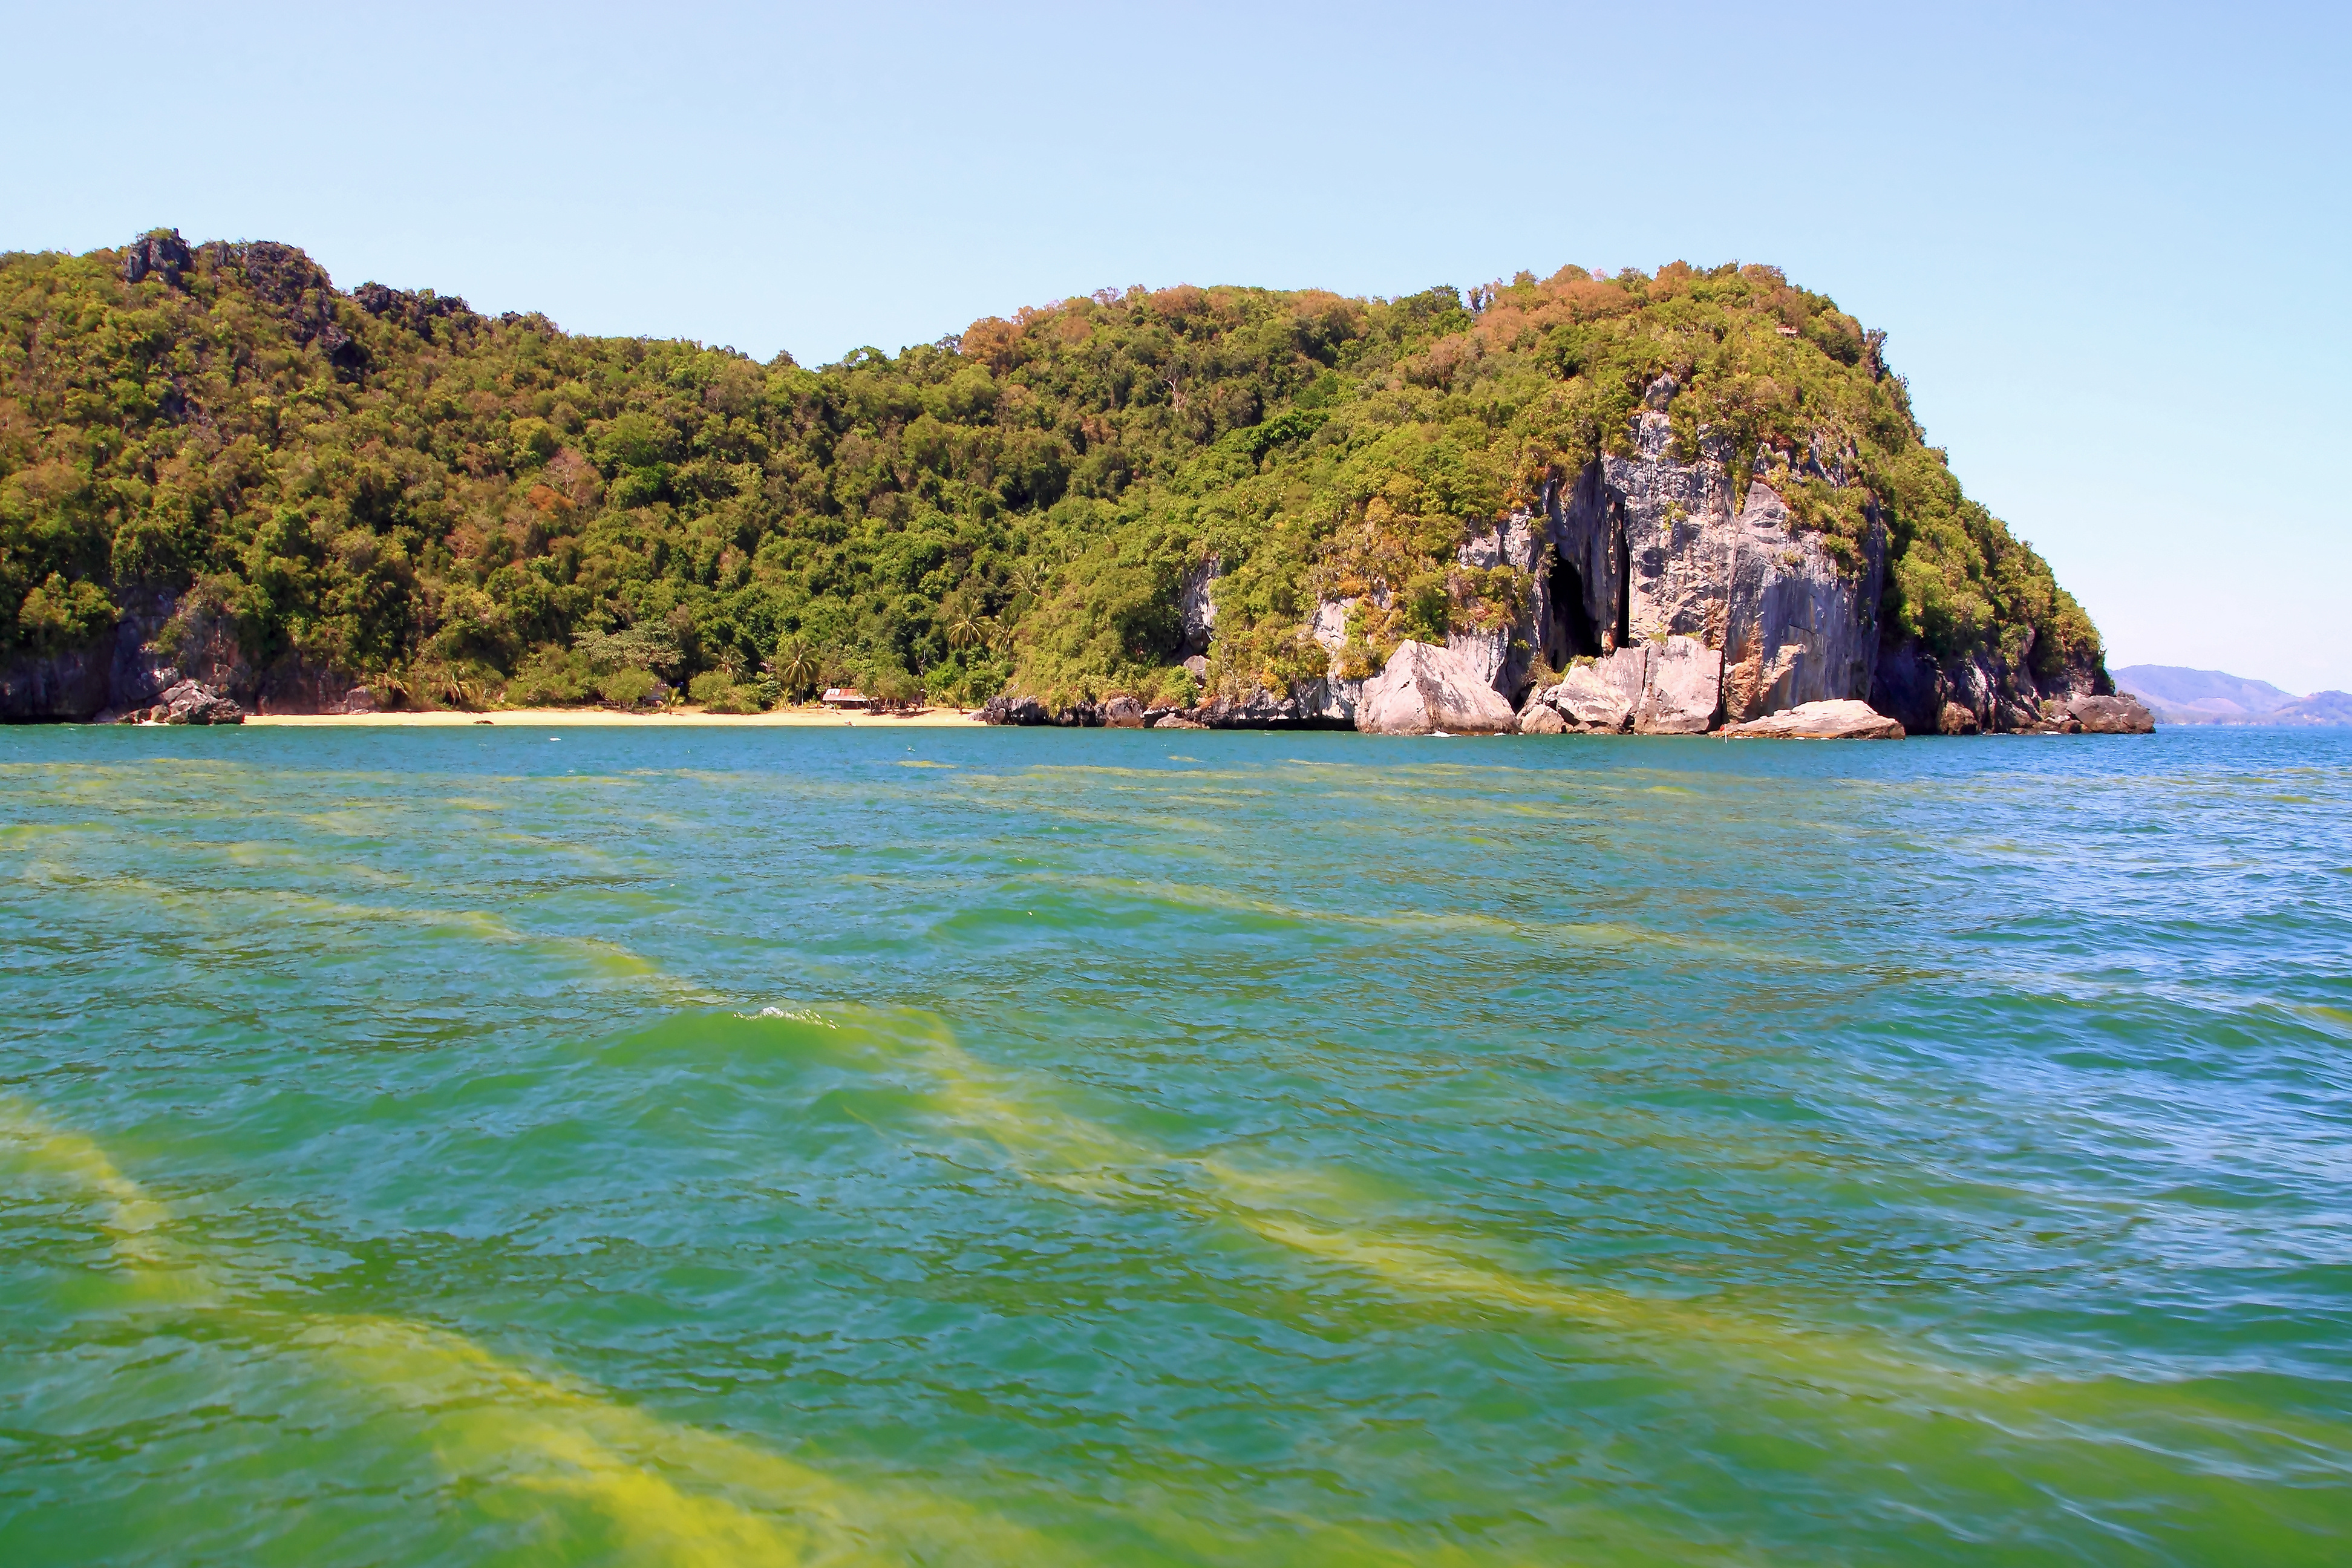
[813, 718]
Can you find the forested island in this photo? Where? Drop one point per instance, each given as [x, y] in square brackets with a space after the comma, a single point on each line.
[1676, 501]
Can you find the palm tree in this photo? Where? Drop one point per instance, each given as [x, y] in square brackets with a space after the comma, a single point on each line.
[795, 666]
[1028, 576]
[966, 628]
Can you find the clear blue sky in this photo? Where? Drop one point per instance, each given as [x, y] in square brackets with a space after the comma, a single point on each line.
[2108, 244]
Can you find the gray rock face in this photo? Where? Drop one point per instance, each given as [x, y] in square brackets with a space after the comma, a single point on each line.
[71, 684]
[1670, 688]
[1914, 686]
[1332, 700]
[2017, 717]
[1646, 549]
[1328, 627]
[1684, 688]
[1523, 542]
[1518, 540]
[1197, 606]
[1259, 708]
[162, 253]
[2111, 715]
[1423, 689]
[1122, 712]
[1844, 718]
[1649, 538]
[1489, 655]
[1798, 628]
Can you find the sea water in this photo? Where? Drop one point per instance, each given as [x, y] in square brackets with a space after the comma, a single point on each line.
[748, 1146]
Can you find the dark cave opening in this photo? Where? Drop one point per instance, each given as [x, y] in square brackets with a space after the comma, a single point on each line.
[1580, 637]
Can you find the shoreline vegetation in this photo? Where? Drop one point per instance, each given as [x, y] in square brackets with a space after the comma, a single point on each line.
[651, 719]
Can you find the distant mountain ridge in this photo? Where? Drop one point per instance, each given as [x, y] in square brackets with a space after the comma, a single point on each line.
[2179, 695]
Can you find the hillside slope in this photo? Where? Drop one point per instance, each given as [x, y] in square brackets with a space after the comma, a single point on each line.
[215, 463]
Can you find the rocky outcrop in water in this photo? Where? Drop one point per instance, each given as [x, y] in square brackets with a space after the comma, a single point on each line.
[2110, 715]
[1845, 719]
[1423, 689]
[1009, 709]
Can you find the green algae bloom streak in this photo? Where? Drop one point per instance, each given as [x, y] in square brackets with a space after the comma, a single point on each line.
[747, 1147]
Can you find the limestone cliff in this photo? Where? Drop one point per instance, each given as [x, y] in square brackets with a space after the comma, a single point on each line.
[1671, 599]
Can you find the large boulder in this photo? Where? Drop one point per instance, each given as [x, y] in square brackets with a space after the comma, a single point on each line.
[1684, 688]
[1009, 709]
[1841, 719]
[1122, 712]
[1423, 689]
[193, 702]
[2111, 715]
[1542, 719]
[1601, 694]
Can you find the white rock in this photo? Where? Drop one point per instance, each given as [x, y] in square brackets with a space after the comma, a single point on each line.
[1330, 627]
[1488, 654]
[1424, 688]
[1684, 687]
[1843, 719]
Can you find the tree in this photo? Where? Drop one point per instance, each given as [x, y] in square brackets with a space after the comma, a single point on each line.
[795, 666]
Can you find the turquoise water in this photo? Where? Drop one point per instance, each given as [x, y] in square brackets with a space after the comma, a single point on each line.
[738, 1146]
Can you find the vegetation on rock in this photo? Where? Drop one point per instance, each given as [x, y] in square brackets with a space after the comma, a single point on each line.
[395, 486]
